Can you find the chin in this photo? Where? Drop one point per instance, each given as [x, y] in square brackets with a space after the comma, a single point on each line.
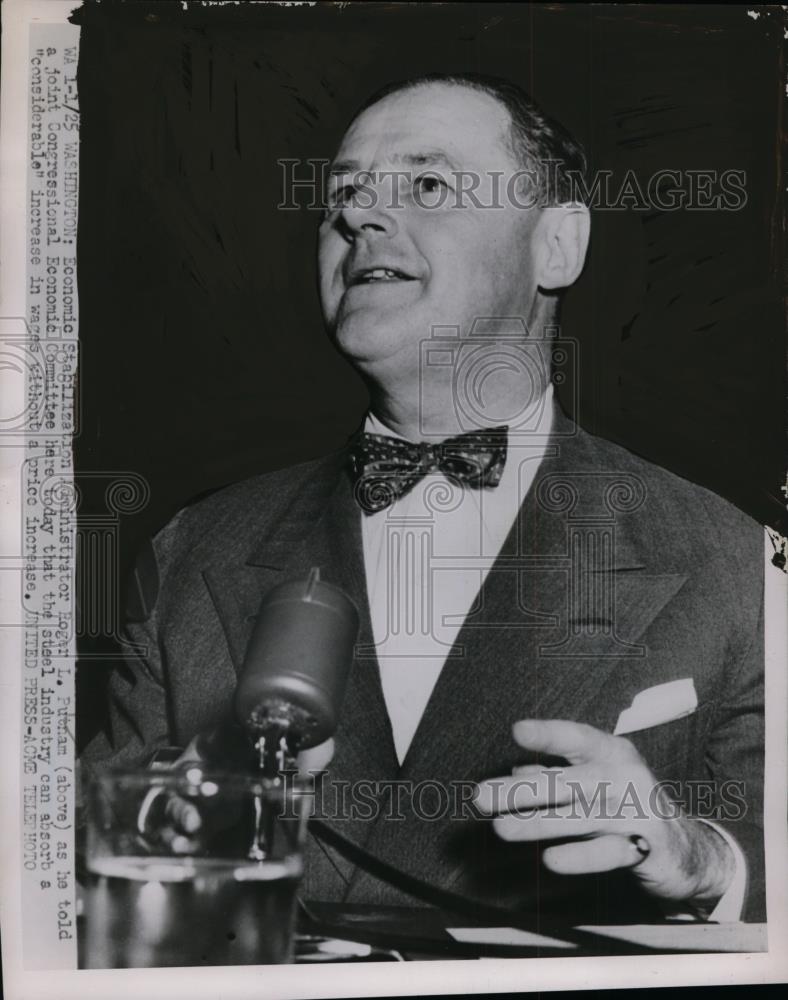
[366, 339]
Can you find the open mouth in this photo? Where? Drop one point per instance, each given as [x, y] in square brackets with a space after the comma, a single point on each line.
[369, 275]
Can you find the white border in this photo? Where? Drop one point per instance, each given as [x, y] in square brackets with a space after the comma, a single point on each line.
[285, 982]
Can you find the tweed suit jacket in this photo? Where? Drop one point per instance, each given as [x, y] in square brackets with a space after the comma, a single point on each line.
[617, 576]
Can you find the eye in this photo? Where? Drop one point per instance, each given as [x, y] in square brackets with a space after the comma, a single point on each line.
[429, 183]
[430, 190]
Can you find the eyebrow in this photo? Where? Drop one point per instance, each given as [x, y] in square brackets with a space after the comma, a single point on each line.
[425, 158]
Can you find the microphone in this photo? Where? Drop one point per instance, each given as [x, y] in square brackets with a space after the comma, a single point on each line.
[296, 667]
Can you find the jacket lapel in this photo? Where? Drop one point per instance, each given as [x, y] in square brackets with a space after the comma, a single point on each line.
[562, 608]
[322, 530]
[364, 743]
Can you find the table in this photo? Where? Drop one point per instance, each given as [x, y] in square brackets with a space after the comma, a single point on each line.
[424, 933]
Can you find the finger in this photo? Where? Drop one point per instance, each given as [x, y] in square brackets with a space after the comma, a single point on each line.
[316, 758]
[530, 788]
[576, 741]
[184, 815]
[599, 854]
[176, 842]
[544, 824]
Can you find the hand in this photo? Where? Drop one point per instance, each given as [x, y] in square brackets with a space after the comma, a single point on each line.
[614, 809]
[181, 824]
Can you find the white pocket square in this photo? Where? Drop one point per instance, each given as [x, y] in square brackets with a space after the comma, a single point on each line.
[655, 705]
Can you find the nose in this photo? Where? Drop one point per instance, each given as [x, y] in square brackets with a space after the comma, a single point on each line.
[367, 213]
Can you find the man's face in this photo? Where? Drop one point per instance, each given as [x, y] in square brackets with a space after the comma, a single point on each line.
[450, 264]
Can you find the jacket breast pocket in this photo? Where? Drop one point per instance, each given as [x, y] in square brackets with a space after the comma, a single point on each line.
[675, 748]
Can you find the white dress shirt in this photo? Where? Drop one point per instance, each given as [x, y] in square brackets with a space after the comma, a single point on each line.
[426, 558]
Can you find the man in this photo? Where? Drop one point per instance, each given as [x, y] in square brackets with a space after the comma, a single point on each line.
[545, 618]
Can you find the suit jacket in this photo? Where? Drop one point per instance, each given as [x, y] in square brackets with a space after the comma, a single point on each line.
[617, 576]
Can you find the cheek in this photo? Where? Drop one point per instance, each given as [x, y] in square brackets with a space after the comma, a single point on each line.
[328, 268]
[472, 252]
[473, 271]
[510, 270]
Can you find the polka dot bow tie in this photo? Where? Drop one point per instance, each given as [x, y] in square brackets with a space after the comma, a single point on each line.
[386, 468]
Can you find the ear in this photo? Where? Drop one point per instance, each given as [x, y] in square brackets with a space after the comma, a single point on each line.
[560, 245]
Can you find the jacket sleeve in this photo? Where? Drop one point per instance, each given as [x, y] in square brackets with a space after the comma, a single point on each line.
[138, 722]
[735, 761]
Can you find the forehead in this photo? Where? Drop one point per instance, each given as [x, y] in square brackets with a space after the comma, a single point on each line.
[468, 125]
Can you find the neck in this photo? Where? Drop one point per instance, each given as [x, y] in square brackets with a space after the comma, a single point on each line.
[437, 408]
[483, 387]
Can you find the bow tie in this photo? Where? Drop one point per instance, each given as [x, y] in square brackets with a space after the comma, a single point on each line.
[386, 468]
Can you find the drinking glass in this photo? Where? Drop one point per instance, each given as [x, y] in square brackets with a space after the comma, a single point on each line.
[191, 867]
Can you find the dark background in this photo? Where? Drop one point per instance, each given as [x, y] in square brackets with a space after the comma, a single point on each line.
[203, 358]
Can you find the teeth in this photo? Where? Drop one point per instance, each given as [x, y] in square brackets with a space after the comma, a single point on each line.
[379, 274]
